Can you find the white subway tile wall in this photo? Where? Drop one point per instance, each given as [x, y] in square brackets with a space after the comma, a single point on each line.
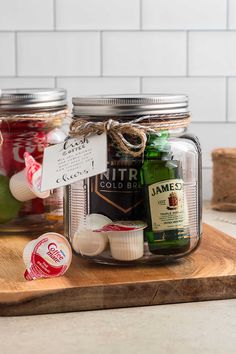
[18, 15]
[144, 53]
[184, 14]
[232, 99]
[98, 85]
[232, 14]
[129, 46]
[97, 14]
[7, 54]
[212, 53]
[58, 53]
[206, 95]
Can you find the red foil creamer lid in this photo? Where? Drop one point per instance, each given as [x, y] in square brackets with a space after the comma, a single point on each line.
[46, 257]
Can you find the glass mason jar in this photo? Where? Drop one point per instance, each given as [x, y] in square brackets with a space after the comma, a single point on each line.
[145, 208]
[30, 120]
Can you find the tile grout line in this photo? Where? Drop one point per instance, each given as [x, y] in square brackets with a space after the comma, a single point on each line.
[122, 30]
[121, 76]
[125, 76]
[140, 15]
[116, 77]
[16, 54]
[54, 15]
[227, 14]
[101, 53]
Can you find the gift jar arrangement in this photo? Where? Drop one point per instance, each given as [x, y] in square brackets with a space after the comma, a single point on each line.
[146, 208]
[30, 120]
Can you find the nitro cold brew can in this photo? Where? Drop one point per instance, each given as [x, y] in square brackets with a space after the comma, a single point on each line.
[117, 193]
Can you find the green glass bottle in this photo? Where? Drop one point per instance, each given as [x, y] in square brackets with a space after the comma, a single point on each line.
[161, 177]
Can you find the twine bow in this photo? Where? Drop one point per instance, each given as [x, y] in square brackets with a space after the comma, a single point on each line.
[126, 134]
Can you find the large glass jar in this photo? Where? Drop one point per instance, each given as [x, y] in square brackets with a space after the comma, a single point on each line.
[146, 207]
[30, 120]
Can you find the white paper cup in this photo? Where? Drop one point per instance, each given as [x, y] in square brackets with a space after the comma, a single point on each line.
[20, 189]
[89, 243]
[126, 245]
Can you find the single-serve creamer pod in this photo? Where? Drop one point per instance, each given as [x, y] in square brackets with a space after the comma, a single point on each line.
[126, 239]
[46, 257]
[27, 252]
[33, 171]
[19, 187]
[96, 221]
[89, 243]
[25, 185]
[86, 241]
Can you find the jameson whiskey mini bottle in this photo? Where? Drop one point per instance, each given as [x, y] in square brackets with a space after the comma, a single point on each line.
[167, 231]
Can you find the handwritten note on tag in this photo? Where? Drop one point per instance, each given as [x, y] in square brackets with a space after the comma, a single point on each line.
[73, 160]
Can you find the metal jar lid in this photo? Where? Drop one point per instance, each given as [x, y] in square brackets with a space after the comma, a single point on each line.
[24, 99]
[130, 105]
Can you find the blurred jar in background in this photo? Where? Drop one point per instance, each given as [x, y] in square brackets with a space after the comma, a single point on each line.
[30, 120]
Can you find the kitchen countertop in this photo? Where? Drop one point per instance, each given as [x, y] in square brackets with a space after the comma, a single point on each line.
[203, 327]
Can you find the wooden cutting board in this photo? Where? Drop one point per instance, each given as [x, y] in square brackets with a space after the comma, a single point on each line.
[207, 274]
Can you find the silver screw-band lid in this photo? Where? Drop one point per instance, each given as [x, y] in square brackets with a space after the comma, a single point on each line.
[12, 99]
[130, 105]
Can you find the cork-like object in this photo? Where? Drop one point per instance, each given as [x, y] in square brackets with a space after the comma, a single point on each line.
[224, 179]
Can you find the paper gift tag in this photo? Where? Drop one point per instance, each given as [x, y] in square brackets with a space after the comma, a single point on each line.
[73, 160]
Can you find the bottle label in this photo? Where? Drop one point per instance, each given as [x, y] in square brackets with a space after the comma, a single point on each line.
[117, 189]
[117, 193]
[167, 205]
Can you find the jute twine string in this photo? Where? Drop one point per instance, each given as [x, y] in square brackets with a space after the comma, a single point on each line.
[138, 128]
[42, 116]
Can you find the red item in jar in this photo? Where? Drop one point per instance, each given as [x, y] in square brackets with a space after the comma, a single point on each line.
[19, 137]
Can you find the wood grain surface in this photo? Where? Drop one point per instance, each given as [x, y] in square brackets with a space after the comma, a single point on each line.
[207, 274]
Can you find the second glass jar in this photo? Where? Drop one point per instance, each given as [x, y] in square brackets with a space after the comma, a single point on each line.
[30, 120]
[146, 208]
